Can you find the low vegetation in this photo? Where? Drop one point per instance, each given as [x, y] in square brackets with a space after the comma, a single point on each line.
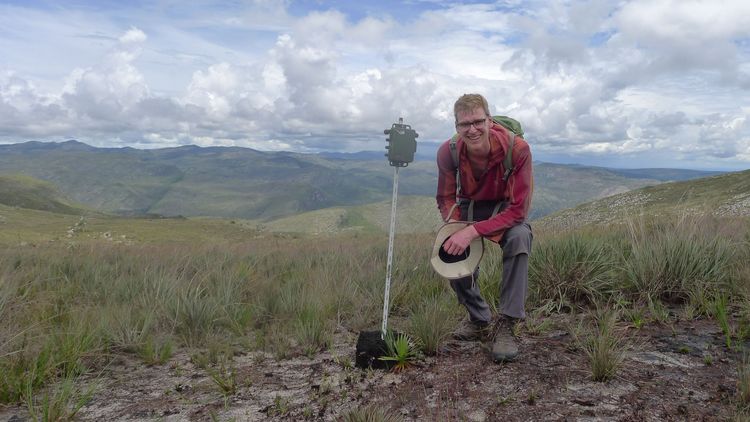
[68, 308]
[603, 344]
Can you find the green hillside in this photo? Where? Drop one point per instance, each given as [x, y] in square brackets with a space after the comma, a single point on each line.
[21, 226]
[27, 192]
[722, 195]
[558, 186]
[193, 181]
[242, 183]
[414, 214]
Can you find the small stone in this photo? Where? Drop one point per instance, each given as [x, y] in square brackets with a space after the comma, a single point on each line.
[477, 416]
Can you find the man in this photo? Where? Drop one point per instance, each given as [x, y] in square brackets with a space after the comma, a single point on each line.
[482, 145]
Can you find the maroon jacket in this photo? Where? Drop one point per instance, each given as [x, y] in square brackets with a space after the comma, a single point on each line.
[490, 185]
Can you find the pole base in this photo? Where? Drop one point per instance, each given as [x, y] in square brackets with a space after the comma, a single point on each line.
[370, 348]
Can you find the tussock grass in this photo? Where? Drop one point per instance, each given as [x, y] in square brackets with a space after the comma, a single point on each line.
[66, 307]
[432, 322]
[680, 261]
[490, 274]
[58, 403]
[371, 413]
[603, 344]
[312, 330]
[224, 376]
[567, 272]
[743, 384]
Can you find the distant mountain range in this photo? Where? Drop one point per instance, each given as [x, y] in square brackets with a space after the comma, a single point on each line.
[243, 183]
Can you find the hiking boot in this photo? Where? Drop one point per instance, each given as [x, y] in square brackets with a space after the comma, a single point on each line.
[504, 345]
[472, 331]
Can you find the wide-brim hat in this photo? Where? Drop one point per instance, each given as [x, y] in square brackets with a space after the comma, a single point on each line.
[455, 266]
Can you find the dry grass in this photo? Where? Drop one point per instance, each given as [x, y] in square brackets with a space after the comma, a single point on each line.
[67, 307]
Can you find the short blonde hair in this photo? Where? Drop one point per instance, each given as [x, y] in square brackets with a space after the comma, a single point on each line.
[468, 103]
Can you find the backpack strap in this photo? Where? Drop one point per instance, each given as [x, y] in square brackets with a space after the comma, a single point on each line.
[508, 161]
[501, 205]
[507, 164]
[454, 156]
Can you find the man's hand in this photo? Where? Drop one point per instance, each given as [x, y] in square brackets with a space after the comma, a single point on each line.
[460, 240]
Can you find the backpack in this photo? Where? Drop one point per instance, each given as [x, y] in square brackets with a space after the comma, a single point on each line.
[515, 129]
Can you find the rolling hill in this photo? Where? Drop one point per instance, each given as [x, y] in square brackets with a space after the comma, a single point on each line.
[723, 195]
[235, 182]
[33, 210]
[27, 192]
[414, 214]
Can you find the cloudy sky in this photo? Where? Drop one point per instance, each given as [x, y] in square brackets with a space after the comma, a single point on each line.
[644, 83]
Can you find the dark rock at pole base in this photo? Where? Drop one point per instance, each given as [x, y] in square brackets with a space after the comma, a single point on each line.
[370, 347]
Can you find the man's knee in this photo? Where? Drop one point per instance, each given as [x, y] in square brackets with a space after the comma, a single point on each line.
[517, 240]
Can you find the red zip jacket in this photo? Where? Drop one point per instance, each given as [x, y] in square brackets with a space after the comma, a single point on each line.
[490, 185]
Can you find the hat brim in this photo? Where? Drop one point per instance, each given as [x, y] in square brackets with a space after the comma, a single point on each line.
[455, 266]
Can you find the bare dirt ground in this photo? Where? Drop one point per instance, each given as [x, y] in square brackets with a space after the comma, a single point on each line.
[678, 372]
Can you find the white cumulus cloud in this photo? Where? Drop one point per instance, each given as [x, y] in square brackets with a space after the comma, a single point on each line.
[664, 80]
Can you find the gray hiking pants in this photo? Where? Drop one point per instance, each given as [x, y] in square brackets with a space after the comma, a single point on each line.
[516, 245]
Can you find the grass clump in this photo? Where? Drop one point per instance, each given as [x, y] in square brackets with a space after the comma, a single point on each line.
[312, 331]
[431, 323]
[677, 262]
[224, 376]
[195, 314]
[127, 328]
[720, 311]
[23, 372]
[603, 344]
[280, 406]
[572, 271]
[371, 413]
[743, 384]
[60, 402]
[155, 351]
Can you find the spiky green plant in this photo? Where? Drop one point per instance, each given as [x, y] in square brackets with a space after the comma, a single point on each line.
[401, 351]
[224, 376]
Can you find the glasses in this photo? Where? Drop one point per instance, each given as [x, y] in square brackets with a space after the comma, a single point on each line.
[467, 125]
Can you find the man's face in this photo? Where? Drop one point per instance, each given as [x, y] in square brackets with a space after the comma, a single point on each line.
[474, 129]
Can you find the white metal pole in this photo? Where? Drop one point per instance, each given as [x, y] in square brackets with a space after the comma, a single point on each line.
[386, 300]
